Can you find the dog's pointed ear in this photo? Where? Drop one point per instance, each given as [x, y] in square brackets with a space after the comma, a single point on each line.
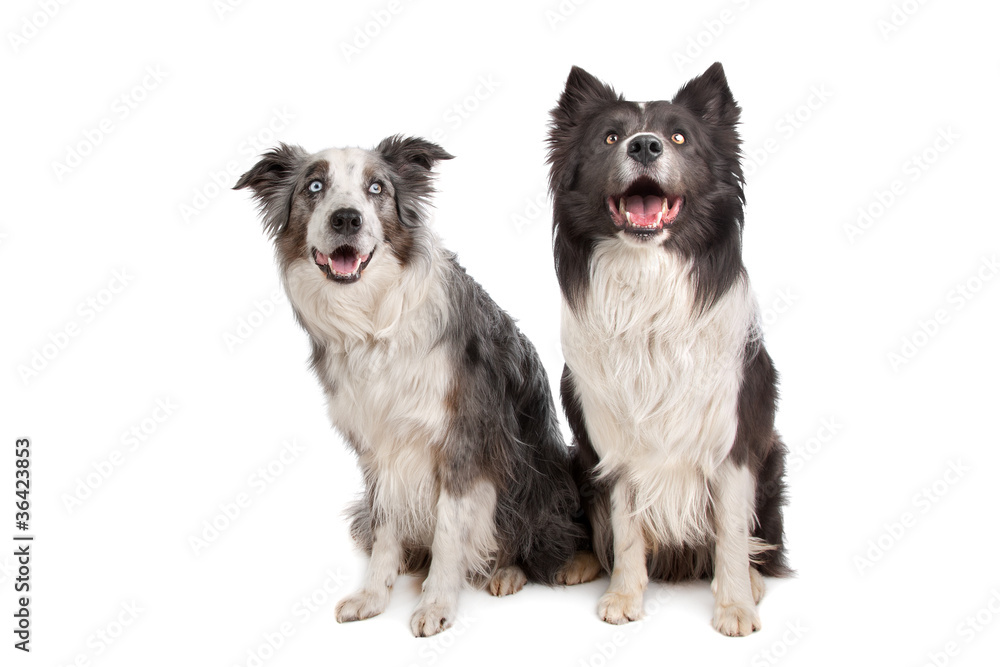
[709, 96]
[582, 88]
[272, 181]
[412, 159]
[406, 152]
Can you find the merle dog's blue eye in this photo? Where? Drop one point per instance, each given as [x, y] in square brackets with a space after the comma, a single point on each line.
[315, 186]
[375, 188]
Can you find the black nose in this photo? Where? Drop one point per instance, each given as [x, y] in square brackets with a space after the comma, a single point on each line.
[346, 221]
[645, 149]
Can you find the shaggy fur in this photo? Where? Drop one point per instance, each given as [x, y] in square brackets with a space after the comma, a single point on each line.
[444, 401]
[668, 389]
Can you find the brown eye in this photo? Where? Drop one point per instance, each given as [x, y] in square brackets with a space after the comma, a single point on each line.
[677, 138]
[611, 139]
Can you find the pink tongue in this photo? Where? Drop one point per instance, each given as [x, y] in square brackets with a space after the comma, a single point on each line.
[643, 210]
[344, 262]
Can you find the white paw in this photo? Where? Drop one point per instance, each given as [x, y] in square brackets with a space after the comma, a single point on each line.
[507, 580]
[756, 585]
[736, 620]
[619, 608]
[361, 605]
[583, 567]
[431, 618]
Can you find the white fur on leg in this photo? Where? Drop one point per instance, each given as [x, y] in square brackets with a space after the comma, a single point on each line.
[757, 585]
[735, 609]
[464, 540]
[623, 600]
[383, 568]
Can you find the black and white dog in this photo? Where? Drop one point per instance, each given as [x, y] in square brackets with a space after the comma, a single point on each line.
[444, 401]
[667, 386]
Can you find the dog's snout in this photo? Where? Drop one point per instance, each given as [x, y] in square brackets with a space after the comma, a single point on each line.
[645, 149]
[346, 221]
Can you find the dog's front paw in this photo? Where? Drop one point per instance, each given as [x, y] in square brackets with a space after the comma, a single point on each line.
[620, 608]
[431, 618]
[507, 580]
[360, 605]
[583, 567]
[736, 620]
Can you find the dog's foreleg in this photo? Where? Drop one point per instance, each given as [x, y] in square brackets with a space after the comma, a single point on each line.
[623, 600]
[464, 539]
[732, 496]
[383, 568]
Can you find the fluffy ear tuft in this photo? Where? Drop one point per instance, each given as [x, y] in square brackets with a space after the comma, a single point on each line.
[403, 152]
[411, 160]
[709, 96]
[272, 180]
[582, 88]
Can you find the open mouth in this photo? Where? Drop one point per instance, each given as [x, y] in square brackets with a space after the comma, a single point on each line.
[644, 209]
[343, 265]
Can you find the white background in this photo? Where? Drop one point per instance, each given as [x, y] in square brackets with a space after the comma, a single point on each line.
[868, 434]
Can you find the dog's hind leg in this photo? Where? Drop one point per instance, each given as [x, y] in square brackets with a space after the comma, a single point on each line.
[507, 581]
[756, 584]
[383, 568]
[464, 540]
[583, 567]
[732, 496]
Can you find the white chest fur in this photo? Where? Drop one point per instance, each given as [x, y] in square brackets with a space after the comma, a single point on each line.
[390, 379]
[658, 380]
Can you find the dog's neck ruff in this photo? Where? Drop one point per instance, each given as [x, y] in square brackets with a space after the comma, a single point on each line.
[390, 302]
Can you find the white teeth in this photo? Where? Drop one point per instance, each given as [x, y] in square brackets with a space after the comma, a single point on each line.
[659, 216]
[664, 208]
[628, 217]
[621, 206]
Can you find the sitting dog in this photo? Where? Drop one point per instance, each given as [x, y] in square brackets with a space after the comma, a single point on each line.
[667, 386]
[444, 401]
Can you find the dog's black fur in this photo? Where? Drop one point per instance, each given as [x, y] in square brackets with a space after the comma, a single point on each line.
[707, 232]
